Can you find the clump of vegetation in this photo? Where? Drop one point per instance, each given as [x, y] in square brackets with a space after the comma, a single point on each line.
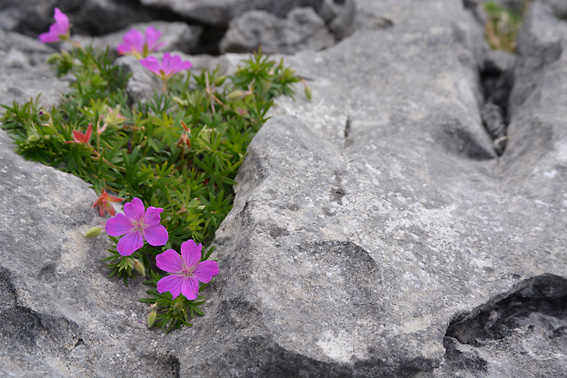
[503, 24]
[176, 156]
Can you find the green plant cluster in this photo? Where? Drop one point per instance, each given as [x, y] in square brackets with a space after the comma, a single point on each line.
[503, 25]
[179, 151]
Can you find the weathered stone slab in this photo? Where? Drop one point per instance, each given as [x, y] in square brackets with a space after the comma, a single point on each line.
[302, 29]
[175, 36]
[369, 221]
[96, 17]
[24, 73]
[220, 12]
[60, 315]
[374, 232]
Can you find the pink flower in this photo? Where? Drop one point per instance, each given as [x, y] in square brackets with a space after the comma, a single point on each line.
[57, 31]
[138, 44]
[79, 137]
[168, 67]
[186, 270]
[137, 224]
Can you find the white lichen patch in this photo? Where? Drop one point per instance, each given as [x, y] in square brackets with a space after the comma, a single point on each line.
[75, 251]
[342, 347]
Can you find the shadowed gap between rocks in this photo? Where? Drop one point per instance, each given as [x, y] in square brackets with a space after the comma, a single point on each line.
[497, 81]
[496, 75]
[86, 21]
[210, 38]
[25, 329]
[540, 301]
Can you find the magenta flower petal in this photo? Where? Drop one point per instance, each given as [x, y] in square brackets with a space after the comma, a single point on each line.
[186, 267]
[133, 42]
[191, 253]
[46, 38]
[156, 235]
[169, 261]
[118, 225]
[134, 209]
[61, 20]
[152, 216]
[138, 44]
[130, 243]
[57, 30]
[185, 65]
[135, 39]
[152, 64]
[190, 288]
[168, 66]
[206, 270]
[152, 36]
[172, 283]
[133, 224]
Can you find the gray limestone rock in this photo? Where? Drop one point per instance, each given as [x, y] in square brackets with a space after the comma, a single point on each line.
[13, 43]
[24, 73]
[60, 314]
[374, 231]
[176, 36]
[220, 12]
[370, 220]
[494, 122]
[95, 17]
[303, 29]
[339, 17]
[142, 83]
[499, 61]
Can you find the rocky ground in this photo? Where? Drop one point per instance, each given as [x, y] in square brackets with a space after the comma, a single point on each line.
[410, 221]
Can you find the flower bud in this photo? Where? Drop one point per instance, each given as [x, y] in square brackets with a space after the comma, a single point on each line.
[308, 92]
[180, 101]
[219, 81]
[235, 95]
[32, 138]
[53, 58]
[93, 232]
[178, 308]
[44, 116]
[114, 117]
[139, 268]
[152, 316]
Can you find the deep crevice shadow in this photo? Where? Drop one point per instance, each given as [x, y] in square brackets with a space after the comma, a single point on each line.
[540, 301]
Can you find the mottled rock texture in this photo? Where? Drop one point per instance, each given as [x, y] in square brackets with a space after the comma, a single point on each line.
[303, 29]
[23, 71]
[220, 12]
[60, 316]
[94, 17]
[375, 230]
[175, 36]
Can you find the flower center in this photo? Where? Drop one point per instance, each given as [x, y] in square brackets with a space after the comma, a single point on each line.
[138, 226]
[188, 271]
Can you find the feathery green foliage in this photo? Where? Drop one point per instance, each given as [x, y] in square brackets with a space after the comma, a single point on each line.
[179, 151]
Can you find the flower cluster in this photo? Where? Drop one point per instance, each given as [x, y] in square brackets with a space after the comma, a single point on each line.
[133, 43]
[136, 225]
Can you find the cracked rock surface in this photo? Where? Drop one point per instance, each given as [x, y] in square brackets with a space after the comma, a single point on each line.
[220, 12]
[375, 230]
